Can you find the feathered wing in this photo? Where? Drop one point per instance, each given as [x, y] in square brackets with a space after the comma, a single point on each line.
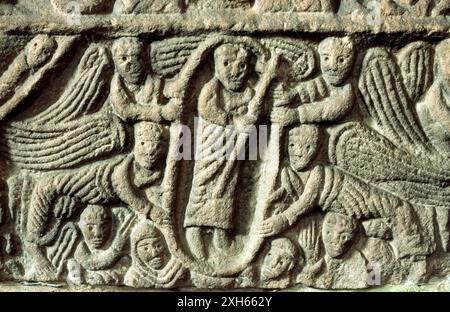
[367, 154]
[170, 55]
[67, 133]
[82, 93]
[416, 66]
[63, 145]
[387, 103]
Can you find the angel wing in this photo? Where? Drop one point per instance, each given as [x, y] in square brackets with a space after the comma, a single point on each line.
[67, 134]
[84, 91]
[63, 145]
[169, 56]
[388, 104]
[416, 66]
[299, 55]
[369, 155]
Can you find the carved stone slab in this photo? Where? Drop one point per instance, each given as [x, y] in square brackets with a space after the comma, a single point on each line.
[225, 144]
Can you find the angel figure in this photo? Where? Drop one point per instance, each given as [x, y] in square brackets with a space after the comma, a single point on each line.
[328, 98]
[133, 180]
[392, 149]
[310, 186]
[137, 94]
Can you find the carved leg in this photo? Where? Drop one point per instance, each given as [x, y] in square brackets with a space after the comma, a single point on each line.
[41, 269]
[221, 239]
[195, 241]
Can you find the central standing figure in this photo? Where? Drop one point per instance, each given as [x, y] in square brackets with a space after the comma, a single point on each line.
[229, 106]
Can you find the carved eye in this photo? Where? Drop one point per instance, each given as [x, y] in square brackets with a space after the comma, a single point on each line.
[124, 58]
[341, 60]
[326, 58]
[225, 63]
[242, 65]
[308, 147]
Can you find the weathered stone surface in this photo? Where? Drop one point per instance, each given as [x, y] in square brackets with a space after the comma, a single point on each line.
[260, 144]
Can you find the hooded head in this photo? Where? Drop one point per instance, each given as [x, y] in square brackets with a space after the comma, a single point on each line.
[148, 247]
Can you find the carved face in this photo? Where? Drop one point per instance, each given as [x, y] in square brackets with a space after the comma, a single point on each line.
[337, 233]
[149, 147]
[129, 58]
[336, 59]
[302, 146]
[95, 226]
[152, 251]
[280, 259]
[231, 66]
[40, 50]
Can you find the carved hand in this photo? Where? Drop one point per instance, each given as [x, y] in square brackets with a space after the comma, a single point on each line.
[272, 226]
[285, 116]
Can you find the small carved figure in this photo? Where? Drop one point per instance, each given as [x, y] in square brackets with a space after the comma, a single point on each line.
[137, 95]
[335, 191]
[336, 61]
[152, 265]
[133, 180]
[228, 99]
[92, 253]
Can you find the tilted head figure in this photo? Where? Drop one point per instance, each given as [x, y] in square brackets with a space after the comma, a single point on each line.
[231, 66]
[442, 61]
[338, 231]
[337, 56]
[303, 144]
[279, 260]
[95, 225]
[148, 247]
[150, 143]
[40, 50]
[129, 56]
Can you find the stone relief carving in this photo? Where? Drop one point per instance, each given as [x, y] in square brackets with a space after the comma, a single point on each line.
[220, 160]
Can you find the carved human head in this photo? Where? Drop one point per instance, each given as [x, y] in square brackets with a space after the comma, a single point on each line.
[338, 231]
[150, 143]
[95, 225]
[129, 56]
[40, 50]
[303, 144]
[148, 245]
[442, 62]
[336, 59]
[231, 66]
[279, 260]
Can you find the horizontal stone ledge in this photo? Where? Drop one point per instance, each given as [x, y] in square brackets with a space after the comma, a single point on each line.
[248, 23]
